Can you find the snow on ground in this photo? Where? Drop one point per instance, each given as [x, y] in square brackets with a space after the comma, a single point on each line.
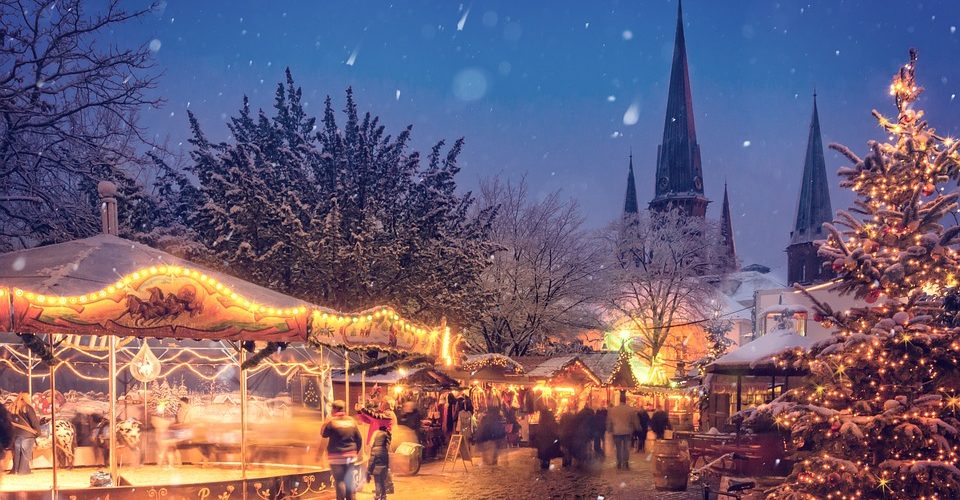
[518, 476]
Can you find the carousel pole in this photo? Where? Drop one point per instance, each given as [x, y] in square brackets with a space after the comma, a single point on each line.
[30, 373]
[243, 417]
[53, 417]
[346, 379]
[111, 422]
[363, 387]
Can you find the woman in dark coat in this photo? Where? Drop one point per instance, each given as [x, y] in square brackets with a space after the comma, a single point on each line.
[547, 439]
[659, 423]
[379, 466]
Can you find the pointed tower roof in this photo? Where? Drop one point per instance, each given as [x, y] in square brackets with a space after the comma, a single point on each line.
[726, 232]
[813, 207]
[630, 205]
[679, 174]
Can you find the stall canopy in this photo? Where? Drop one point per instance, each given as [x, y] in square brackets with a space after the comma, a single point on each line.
[756, 357]
[106, 285]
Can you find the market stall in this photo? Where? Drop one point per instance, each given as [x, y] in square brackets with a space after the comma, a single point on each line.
[748, 376]
[133, 334]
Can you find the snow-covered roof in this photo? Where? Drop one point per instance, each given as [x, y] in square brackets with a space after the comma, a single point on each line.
[761, 351]
[81, 266]
[740, 286]
[785, 309]
[550, 366]
[601, 363]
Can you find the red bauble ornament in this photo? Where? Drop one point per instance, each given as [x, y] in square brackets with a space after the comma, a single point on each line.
[873, 296]
[928, 189]
[818, 317]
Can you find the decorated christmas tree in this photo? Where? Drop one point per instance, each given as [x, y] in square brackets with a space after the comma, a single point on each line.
[311, 393]
[879, 417]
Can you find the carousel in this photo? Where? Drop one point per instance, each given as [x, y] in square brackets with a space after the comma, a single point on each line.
[155, 377]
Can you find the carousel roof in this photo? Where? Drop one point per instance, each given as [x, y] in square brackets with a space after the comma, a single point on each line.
[86, 265]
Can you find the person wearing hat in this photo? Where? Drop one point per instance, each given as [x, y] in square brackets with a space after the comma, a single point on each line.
[343, 449]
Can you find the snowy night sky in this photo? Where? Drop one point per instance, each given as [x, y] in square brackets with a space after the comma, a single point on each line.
[563, 90]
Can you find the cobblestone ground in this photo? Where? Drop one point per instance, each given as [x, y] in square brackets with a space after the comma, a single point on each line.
[518, 477]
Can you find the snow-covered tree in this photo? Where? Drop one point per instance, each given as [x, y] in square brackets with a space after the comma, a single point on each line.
[68, 119]
[653, 277]
[879, 418]
[347, 217]
[542, 277]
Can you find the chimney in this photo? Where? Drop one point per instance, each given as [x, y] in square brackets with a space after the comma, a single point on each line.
[108, 207]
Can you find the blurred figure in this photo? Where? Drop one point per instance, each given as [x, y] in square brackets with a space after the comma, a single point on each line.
[490, 433]
[547, 439]
[379, 467]
[466, 425]
[659, 423]
[6, 435]
[26, 428]
[343, 447]
[599, 432]
[644, 418]
[585, 432]
[568, 437]
[411, 418]
[622, 422]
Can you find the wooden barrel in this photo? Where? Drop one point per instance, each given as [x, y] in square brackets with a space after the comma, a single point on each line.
[671, 467]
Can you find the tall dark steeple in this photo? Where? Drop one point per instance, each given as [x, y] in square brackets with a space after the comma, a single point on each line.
[679, 179]
[804, 266]
[729, 248]
[630, 205]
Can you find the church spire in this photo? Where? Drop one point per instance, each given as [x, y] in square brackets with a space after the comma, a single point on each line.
[804, 266]
[813, 207]
[630, 205]
[679, 179]
[729, 248]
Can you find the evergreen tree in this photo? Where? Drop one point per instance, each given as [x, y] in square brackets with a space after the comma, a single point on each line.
[342, 216]
[879, 417]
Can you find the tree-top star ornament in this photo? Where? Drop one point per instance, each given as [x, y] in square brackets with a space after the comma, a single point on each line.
[878, 418]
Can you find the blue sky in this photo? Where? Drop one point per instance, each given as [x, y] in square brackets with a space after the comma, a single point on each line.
[541, 88]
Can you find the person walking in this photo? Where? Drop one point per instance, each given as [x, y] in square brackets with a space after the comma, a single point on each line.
[379, 467]
[659, 423]
[490, 434]
[622, 422]
[644, 418]
[599, 432]
[26, 428]
[6, 435]
[466, 426]
[568, 436]
[546, 439]
[343, 447]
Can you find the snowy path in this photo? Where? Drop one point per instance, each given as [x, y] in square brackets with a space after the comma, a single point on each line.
[517, 477]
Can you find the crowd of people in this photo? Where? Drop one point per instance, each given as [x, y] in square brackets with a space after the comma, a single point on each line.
[579, 437]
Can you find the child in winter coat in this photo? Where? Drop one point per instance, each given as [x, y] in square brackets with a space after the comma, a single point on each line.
[379, 467]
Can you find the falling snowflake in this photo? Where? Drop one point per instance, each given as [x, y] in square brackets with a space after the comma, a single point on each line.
[627, 35]
[398, 94]
[611, 98]
[837, 52]
[746, 144]
[953, 29]
[353, 56]
[632, 115]
[615, 134]
[463, 20]
[155, 45]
